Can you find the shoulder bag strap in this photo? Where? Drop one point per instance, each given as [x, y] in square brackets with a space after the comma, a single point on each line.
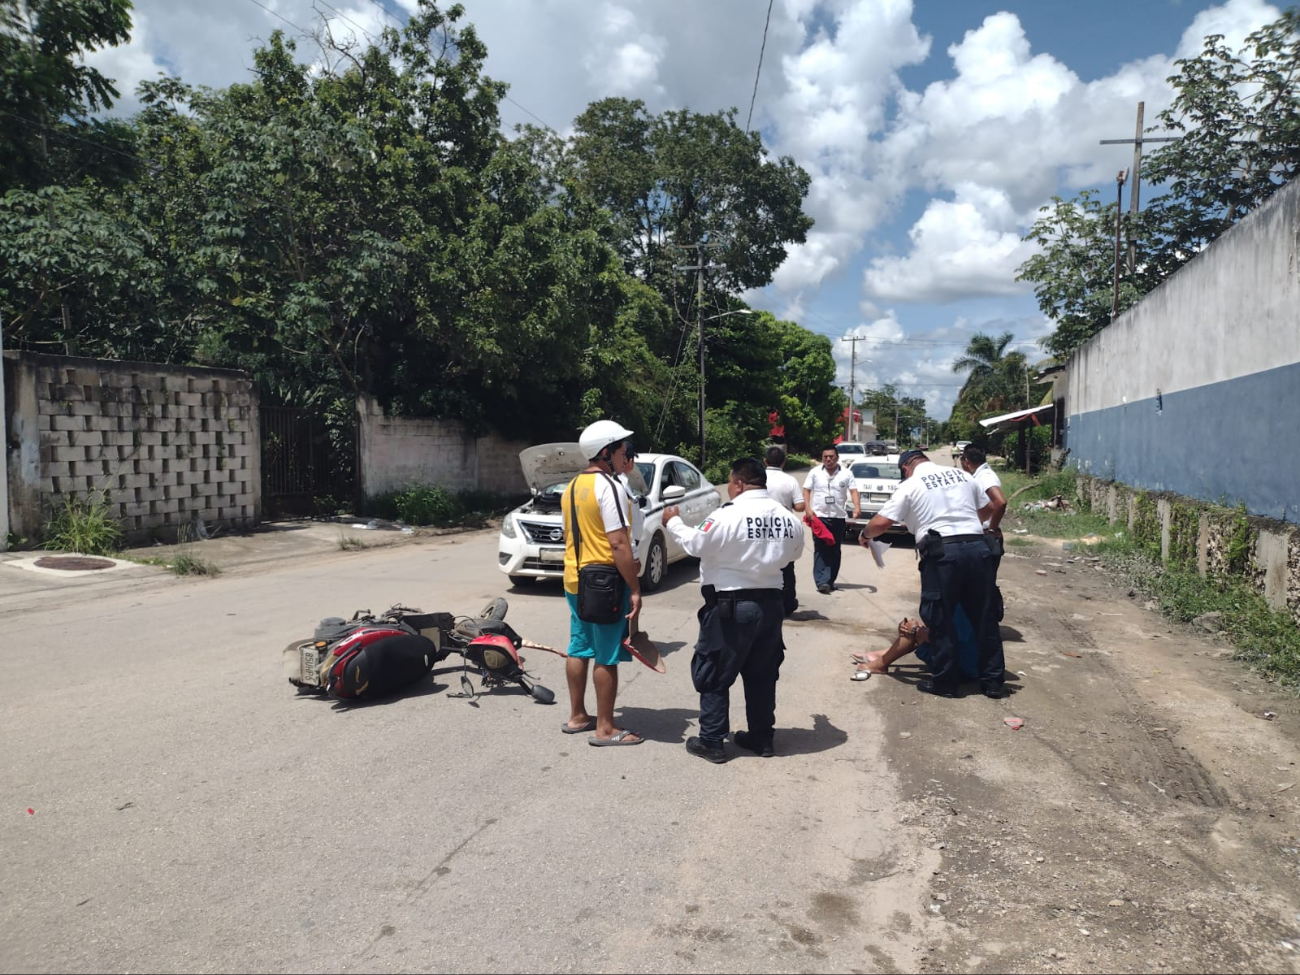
[573, 517]
[618, 493]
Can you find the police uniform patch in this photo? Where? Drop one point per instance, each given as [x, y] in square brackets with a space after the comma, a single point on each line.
[708, 523]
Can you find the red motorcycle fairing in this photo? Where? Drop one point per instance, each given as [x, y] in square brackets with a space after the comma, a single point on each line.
[340, 654]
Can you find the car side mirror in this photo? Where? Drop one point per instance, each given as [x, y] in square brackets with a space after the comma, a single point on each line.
[674, 493]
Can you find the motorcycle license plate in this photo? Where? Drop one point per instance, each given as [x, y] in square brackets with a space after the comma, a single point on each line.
[552, 555]
[310, 664]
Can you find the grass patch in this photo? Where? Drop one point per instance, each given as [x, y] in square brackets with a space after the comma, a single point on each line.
[185, 562]
[1015, 541]
[436, 506]
[83, 526]
[1058, 524]
[188, 564]
[350, 543]
[1265, 638]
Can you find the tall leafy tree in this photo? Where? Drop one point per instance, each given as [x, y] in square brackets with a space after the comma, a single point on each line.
[48, 94]
[1239, 112]
[679, 177]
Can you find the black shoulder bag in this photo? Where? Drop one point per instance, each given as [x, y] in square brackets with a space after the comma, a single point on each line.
[600, 587]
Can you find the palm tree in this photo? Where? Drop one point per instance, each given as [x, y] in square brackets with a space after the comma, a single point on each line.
[997, 378]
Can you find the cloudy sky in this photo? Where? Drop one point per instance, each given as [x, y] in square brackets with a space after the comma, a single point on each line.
[933, 130]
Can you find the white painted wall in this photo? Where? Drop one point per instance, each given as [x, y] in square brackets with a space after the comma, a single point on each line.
[1232, 311]
[4, 456]
[397, 452]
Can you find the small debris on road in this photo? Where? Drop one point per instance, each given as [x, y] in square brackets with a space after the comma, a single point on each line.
[1015, 724]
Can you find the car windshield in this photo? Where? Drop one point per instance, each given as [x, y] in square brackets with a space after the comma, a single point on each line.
[878, 472]
[647, 470]
[554, 491]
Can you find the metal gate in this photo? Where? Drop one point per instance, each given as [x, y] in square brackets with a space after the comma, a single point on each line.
[308, 462]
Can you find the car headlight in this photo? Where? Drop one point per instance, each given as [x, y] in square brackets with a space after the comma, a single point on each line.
[508, 526]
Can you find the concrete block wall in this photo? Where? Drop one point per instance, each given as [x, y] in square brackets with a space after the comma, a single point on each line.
[398, 452]
[166, 444]
[1273, 564]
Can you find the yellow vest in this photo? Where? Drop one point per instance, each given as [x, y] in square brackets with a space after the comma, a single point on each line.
[595, 540]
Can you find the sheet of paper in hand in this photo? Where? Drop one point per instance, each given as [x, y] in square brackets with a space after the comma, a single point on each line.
[878, 550]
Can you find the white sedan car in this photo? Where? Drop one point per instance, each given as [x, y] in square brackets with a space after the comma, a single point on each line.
[531, 544]
[876, 480]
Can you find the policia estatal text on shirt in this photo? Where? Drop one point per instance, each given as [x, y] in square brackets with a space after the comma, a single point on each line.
[940, 507]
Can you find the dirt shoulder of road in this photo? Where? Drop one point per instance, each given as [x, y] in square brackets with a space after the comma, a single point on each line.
[1145, 817]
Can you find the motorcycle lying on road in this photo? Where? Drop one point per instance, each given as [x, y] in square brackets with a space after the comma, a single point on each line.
[371, 656]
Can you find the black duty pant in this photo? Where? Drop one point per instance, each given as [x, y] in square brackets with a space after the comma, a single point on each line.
[961, 572]
[740, 636]
[826, 555]
[789, 598]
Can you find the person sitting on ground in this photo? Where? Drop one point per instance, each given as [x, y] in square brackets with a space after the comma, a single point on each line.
[912, 635]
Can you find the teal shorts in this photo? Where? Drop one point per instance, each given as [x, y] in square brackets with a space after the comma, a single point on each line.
[601, 642]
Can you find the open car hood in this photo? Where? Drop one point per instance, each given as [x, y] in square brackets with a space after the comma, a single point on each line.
[551, 463]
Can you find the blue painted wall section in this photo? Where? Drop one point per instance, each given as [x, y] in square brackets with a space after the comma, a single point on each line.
[1233, 441]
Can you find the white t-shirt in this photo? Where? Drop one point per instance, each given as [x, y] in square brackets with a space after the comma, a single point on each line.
[946, 499]
[986, 478]
[782, 487]
[638, 516]
[830, 492]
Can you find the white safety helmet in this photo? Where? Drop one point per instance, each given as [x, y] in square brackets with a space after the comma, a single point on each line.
[600, 435]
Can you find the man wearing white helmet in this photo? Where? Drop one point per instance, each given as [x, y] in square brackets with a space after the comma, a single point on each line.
[597, 516]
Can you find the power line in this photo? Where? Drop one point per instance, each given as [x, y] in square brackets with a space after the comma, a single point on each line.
[348, 19]
[759, 71]
[285, 19]
[545, 124]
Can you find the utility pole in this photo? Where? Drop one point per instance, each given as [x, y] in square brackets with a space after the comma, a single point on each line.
[700, 267]
[853, 367]
[1137, 141]
[1119, 191]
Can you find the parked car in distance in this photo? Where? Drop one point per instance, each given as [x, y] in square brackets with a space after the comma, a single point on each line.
[877, 448]
[851, 449]
[877, 479]
[958, 447]
[531, 543]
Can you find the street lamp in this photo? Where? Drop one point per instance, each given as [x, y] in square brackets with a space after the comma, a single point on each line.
[711, 318]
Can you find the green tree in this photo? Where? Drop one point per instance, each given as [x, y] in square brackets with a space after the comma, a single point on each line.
[1239, 112]
[1073, 272]
[48, 93]
[679, 177]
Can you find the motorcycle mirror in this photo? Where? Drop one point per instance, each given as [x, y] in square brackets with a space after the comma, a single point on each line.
[467, 687]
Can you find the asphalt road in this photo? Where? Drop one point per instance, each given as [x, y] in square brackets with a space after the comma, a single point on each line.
[188, 811]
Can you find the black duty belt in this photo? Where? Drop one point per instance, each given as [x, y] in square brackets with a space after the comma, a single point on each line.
[712, 594]
[962, 538]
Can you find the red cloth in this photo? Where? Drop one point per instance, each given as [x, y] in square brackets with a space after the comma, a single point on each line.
[818, 527]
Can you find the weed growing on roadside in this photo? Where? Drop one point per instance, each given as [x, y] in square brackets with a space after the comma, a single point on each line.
[350, 543]
[84, 526]
[1262, 636]
[185, 562]
[435, 505]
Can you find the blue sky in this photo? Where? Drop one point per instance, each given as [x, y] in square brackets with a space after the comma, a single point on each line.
[933, 130]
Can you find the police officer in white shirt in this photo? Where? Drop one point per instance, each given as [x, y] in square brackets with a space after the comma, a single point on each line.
[784, 488]
[975, 463]
[741, 547]
[940, 507]
[826, 492]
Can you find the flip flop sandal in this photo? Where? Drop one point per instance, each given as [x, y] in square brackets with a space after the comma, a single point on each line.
[861, 675]
[618, 739]
[589, 726]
